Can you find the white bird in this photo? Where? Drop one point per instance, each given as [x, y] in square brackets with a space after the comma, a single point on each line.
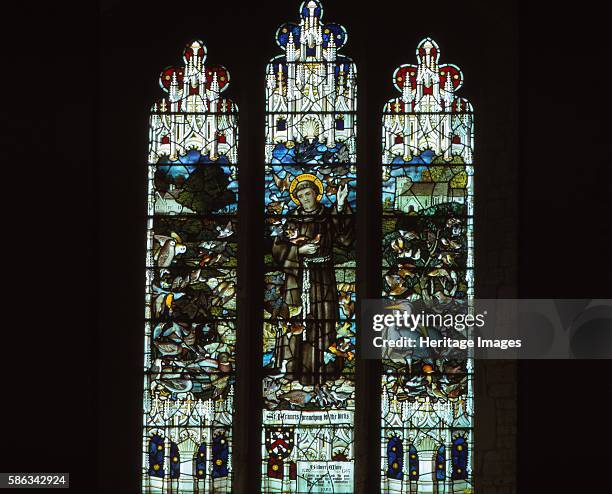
[213, 246]
[224, 232]
[281, 372]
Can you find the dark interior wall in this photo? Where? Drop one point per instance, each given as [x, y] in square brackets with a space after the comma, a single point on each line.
[565, 178]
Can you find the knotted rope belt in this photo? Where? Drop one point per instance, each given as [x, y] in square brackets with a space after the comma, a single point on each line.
[308, 261]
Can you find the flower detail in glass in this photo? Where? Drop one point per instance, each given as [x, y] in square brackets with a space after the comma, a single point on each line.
[460, 458]
[220, 453]
[175, 461]
[156, 456]
[413, 463]
[395, 458]
[200, 462]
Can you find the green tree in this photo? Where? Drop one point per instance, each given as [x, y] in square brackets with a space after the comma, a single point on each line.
[206, 190]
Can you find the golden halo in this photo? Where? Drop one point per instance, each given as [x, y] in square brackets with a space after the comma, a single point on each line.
[305, 177]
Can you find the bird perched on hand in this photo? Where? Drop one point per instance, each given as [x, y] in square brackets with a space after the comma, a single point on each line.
[295, 327]
[292, 235]
[276, 230]
[294, 239]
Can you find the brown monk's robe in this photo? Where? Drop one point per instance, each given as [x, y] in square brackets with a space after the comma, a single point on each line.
[305, 357]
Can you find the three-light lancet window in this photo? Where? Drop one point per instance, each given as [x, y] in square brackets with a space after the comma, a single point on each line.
[308, 324]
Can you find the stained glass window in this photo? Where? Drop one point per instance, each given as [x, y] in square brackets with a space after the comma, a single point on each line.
[309, 328]
[190, 280]
[427, 404]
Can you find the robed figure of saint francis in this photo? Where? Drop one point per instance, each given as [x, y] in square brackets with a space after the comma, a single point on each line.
[305, 255]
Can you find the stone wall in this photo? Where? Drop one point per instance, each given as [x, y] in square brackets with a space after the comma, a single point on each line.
[495, 426]
[496, 276]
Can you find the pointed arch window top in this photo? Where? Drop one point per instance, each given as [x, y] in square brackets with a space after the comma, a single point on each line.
[428, 86]
[194, 123]
[311, 39]
[429, 122]
[194, 86]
